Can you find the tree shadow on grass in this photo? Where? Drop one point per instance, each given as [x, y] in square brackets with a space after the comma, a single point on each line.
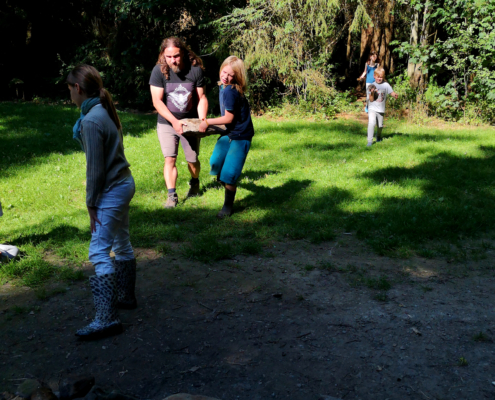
[317, 128]
[440, 199]
[149, 227]
[253, 175]
[454, 198]
[321, 147]
[444, 197]
[354, 128]
[264, 197]
[29, 132]
[425, 137]
[58, 234]
[314, 218]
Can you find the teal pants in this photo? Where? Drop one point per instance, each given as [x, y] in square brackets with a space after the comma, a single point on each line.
[228, 158]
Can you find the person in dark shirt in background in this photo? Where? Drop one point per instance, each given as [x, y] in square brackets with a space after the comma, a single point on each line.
[177, 91]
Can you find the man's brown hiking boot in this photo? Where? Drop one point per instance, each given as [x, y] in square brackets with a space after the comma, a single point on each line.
[172, 200]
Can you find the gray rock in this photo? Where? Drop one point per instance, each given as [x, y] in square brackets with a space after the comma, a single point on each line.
[185, 396]
[323, 397]
[43, 394]
[75, 386]
[99, 393]
[192, 128]
[54, 384]
[6, 396]
[26, 388]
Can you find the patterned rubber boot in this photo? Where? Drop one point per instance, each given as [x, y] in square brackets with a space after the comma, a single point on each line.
[126, 282]
[106, 322]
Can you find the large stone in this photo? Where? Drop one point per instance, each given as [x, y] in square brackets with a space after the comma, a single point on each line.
[185, 396]
[6, 396]
[75, 386]
[43, 394]
[192, 128]
[99, 393]
[26, 388]
[54, 385]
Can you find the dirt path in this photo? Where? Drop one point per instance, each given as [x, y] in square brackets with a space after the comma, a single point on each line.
[361, 117]
[297, 322]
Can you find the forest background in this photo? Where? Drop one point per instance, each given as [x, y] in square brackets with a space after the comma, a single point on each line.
[304, 54]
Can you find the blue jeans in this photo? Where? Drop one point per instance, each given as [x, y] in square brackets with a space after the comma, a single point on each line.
[112, 209]
[228, 158]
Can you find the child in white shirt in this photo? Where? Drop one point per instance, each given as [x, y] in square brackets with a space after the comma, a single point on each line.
[376, 95]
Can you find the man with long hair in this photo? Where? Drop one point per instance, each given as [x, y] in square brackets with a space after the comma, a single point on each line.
[177, 90]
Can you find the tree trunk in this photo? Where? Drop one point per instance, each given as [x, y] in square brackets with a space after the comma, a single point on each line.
[348, 53]
[366, 40]
[411, 67]
[378, 37]
[29, 33]
[415, 71]
[387, 34]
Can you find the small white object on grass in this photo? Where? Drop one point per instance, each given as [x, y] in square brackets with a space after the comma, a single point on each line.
[8, 251]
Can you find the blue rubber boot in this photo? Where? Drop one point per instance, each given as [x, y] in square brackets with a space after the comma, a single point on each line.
[106, 322]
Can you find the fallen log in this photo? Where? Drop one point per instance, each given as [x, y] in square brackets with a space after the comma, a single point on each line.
[192, 128]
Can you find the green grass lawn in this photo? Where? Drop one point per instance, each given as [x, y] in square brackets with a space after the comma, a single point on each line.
[421, 185]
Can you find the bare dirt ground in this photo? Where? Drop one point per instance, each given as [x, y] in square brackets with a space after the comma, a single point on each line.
[299, 321]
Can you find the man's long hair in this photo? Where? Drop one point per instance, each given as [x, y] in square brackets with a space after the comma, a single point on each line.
[187, 55]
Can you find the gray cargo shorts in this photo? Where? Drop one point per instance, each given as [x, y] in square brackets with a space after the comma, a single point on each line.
[169, 142]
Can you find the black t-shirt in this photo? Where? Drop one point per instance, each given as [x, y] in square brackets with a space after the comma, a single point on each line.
[241, 128]
[179, 95]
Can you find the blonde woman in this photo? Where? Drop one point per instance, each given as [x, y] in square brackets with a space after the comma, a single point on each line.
[231, 150]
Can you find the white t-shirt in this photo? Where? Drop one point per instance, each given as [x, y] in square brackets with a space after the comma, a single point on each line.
[376, 94]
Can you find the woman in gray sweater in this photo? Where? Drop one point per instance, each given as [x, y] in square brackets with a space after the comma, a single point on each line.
[109, 190]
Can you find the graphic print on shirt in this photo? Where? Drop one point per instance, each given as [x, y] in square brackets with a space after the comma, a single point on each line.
[376, 95]
[179, 97]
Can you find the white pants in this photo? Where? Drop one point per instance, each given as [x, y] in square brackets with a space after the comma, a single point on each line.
[374, 118]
